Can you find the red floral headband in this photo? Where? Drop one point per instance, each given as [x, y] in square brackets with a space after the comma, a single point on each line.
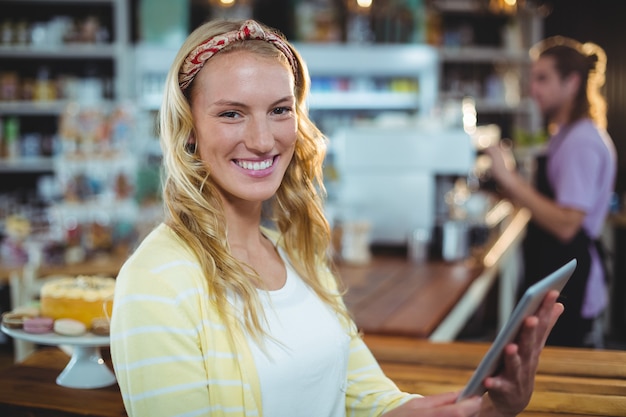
[249, 30]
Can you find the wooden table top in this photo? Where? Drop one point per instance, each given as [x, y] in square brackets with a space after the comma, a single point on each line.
[569, 383]
[393, 296]
[30, 389]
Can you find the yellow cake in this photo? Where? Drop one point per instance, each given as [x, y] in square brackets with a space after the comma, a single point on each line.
[82, 298]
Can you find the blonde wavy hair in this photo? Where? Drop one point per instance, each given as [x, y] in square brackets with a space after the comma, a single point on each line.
[588, 60]
[194, 209]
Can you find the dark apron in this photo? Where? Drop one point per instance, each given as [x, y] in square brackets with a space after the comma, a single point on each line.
[544, 253]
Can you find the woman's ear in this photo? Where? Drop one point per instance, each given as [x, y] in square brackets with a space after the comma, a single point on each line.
[572, 84]
[191, 145]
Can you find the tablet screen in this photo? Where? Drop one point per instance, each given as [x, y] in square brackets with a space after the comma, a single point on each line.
[527, 306]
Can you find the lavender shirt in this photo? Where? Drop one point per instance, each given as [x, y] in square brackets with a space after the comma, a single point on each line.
[582, 166]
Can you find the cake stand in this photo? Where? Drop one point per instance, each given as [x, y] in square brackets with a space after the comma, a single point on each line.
[86, 368]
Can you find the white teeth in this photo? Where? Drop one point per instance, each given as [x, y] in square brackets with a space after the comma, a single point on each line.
[256, 166]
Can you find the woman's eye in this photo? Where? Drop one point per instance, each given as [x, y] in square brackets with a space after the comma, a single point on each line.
[282, 110]
[229, 114]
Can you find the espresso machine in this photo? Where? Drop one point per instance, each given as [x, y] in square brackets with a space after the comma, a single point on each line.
[394, 178]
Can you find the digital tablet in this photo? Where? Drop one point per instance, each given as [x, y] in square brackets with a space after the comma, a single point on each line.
[527, 306]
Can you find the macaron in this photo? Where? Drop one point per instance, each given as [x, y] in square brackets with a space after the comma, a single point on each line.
[69, 327]
[100, 326]
[12, 320]
[38, 325]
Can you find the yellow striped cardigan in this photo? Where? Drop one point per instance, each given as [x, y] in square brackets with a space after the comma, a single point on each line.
[171, 351]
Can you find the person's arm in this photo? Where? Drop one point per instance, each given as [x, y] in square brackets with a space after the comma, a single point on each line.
[155, 345]
[369, 391]
[562, 222]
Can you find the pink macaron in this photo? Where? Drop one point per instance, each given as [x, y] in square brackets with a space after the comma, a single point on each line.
[38, 325]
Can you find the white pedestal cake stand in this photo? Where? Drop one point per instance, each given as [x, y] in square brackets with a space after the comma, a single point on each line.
[86, 368]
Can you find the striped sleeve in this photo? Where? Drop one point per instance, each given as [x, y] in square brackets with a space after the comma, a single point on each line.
[155, 345]
[370, 392]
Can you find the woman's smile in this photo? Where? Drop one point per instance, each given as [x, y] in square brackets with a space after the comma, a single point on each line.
[256, 167]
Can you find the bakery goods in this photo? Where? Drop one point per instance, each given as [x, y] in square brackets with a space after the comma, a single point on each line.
[101, 326]
[69, 327]
[38, 325]
[13, 320]
[81, 298]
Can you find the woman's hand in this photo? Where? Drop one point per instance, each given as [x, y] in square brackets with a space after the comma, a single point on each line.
[509, 392]
[440, 405]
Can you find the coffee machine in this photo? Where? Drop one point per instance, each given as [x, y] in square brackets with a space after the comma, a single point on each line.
[394, 177]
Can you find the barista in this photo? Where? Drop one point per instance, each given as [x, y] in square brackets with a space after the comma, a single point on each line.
[574, 181]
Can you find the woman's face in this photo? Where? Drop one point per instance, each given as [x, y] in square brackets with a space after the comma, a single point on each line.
[243, 108]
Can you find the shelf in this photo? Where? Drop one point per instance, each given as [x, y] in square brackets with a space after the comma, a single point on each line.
[489, 105]
[65, 51]
[494, 105]
[468, 54]
[57, 2]
[32, 108]
[38, 108]
[363, 101]
[458, 6]
[41, 164]
[368, 60]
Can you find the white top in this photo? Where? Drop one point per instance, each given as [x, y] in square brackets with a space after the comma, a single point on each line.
[303, 372]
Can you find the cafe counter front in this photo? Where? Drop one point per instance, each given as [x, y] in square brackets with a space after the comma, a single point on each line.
[570, 382]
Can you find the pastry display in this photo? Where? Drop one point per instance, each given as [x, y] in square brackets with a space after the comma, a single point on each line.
[82, 298]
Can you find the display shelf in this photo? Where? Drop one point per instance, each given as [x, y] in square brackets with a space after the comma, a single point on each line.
[58, 2]
[354, 100]
[352, 81]
[58, 57]
[475, 54]
[39, 164]
[63, 51]
[484, 54]
[487, 104]
[39, 108]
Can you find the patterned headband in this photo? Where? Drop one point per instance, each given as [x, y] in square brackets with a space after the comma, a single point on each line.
[249, 30]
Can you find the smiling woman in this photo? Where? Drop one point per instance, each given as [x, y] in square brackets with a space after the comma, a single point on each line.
[238, 319]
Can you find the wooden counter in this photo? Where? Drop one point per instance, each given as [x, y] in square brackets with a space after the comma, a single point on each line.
[392, 296]
[569, 383]
[29, 389]
[395, 297]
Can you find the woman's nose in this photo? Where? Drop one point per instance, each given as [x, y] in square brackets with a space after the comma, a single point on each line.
[259, 136]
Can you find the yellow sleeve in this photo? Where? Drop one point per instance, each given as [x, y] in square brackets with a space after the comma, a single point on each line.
[155, 346]
[370, 392]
